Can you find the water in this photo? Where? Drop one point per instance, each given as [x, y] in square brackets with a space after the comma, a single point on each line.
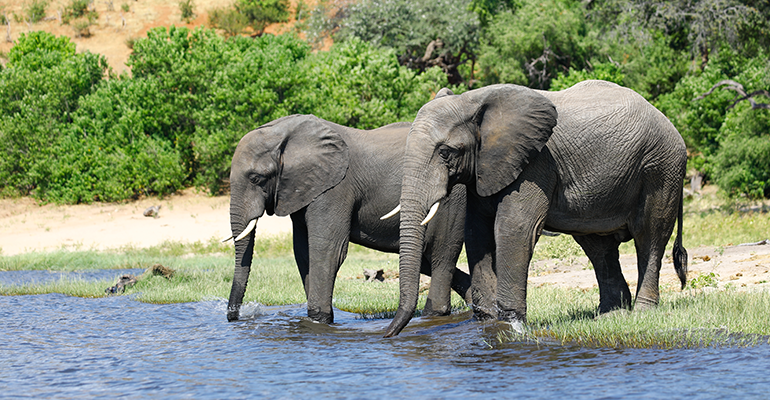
[54, 346]
[38, 277]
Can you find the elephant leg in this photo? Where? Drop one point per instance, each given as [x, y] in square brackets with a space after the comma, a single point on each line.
[328, 247]
[603, 253]
[439, 296]
[441, 261]
[301, 253]
[654, 228]
[650, 248]
[520, 219]
[480, 249]
[461, 284]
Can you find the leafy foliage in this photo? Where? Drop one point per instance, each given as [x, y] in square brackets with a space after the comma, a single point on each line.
[423, 33]
[256, 14]
[69, 135]
[177, 120]
[534, 43]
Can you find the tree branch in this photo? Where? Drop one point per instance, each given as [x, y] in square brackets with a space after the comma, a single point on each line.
[740, 94]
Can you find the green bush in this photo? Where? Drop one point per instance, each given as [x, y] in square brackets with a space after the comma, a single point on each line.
[41, 89]
[553, 32]
[742, 166]
[35, 10]
[38, 49]
[604, 71]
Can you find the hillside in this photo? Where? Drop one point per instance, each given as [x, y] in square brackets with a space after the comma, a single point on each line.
[114, 29]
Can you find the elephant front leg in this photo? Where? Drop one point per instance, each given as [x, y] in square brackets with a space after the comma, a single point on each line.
[301, 251]
[519, 221]
[328, 247]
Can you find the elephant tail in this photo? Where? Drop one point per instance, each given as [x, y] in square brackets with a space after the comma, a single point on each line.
[680, 253]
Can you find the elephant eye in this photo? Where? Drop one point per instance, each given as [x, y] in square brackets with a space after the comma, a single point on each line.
[256, 179]
[444, 153]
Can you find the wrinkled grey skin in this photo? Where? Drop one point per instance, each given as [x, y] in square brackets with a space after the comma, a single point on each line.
[609, 171]
[336, 183]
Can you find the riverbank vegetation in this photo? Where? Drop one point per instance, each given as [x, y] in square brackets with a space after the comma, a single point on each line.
[72, 131]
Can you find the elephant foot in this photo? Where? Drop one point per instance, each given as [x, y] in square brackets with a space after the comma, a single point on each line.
[614, 300]
[512, 316]
[321, 316]
[607, 306]
[430, 311]
[645, 304]
[612, 313]
[233, 314]
[483, 313]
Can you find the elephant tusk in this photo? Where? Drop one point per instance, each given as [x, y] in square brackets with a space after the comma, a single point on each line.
[392, 213]
[250, 227]
[431, 213]
[226, 239]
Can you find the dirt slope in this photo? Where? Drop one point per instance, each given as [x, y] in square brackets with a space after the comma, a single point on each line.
[114, 28]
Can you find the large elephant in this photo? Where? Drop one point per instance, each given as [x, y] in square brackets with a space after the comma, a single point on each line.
[595, 161]
[336, 183]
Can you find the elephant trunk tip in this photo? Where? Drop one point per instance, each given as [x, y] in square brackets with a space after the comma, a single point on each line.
[398, 324]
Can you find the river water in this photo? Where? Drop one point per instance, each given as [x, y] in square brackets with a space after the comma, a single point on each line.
[55, 346]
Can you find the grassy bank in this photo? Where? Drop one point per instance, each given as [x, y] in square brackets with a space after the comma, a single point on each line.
[205, 270]
[690, 318]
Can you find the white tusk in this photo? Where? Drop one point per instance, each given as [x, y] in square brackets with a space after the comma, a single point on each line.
[431, 213]
[249, 228]
[226, 239]
[392, 213]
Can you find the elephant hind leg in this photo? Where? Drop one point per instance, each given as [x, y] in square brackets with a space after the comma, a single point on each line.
[653, 231]
[603, 253]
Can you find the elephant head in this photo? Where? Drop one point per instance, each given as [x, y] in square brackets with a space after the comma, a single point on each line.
[483, 138]
[279, 168]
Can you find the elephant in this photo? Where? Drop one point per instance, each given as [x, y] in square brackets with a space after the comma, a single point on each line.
[335, 182]
[595, 161]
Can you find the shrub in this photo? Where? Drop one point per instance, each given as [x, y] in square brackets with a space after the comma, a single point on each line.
[35, 10]
[187, 7]
[604, 71]
[41, 88]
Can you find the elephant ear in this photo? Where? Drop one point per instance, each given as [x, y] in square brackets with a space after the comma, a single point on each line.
[514, 123]
[314, 158]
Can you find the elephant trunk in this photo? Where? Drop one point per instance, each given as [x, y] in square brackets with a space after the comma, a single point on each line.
[415, 199]
[244, 253]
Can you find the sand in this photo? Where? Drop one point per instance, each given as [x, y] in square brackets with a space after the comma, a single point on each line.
[186, 217]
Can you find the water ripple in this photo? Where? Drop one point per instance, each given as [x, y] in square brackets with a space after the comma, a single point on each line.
[56, 346]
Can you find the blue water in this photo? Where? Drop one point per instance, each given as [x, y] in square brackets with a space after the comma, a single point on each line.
[54, 346]
[38, 277]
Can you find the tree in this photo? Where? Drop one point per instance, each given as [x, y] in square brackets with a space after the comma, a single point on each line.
[423, 33]
[534, 43]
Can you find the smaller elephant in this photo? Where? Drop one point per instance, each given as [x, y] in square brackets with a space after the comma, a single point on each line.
[335, 183]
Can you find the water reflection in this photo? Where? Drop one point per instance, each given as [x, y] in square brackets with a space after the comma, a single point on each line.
[59, 346]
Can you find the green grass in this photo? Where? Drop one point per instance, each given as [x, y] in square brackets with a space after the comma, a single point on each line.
[692, 318]
[205, 270]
